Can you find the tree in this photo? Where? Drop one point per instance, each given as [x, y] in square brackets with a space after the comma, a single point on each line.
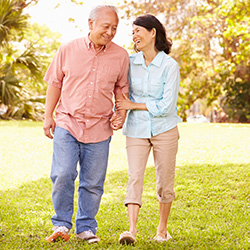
[234, 68]
[211, 44]
[190, 46]
[11, 19]
[23, 58]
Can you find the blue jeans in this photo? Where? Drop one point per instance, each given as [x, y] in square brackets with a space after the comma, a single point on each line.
[93, 160]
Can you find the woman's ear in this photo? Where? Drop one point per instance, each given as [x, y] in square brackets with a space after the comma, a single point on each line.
[153, 32]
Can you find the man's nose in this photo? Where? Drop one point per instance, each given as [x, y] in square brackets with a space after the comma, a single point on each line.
[109, 31]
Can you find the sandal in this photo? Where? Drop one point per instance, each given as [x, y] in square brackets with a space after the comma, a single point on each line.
[160, 239]
[127, 238]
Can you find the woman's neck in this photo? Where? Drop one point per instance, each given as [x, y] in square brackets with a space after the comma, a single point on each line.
[149, 56]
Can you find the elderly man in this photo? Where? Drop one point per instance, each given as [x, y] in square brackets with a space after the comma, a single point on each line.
[83, 77]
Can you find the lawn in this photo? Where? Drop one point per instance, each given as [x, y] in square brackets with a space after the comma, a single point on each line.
[211, 210]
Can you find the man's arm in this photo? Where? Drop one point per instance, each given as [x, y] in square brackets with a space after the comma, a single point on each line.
[52, 98]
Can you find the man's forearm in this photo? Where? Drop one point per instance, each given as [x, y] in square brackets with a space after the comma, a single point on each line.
[123, 114]
[52, 98]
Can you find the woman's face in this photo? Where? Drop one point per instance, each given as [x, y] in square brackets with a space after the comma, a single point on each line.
[143, 38]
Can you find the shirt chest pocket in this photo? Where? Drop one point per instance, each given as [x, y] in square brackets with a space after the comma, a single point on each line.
[106, 78]
[156, 88]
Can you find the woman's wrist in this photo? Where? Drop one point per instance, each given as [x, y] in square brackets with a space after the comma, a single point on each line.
[139, 106]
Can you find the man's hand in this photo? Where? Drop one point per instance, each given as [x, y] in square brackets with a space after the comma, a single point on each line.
[49, 127]
[116, 121]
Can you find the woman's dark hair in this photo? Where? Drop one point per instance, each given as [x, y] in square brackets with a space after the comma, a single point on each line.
[162, 42]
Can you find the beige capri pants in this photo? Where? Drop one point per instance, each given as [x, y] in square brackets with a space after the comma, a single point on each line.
[165, 147]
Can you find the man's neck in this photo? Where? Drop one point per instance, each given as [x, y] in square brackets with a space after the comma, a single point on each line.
[97, 47]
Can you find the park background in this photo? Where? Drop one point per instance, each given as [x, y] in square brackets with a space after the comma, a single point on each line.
[211, 43]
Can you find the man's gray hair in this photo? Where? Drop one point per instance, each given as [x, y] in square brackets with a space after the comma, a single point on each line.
[93, 15]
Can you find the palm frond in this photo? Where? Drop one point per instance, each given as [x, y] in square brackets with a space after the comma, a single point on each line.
[11, 18]
[29, 60]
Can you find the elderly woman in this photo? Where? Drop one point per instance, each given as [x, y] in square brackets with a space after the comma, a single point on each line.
[151, 122]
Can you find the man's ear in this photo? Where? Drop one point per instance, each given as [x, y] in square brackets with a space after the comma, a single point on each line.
[90, 22]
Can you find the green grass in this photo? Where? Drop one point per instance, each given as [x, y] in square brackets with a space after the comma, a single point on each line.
[211, 209]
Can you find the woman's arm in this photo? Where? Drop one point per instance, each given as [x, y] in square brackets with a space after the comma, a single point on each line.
[127, 104]
[167, 104]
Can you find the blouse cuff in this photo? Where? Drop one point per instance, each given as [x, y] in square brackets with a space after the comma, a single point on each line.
[152, 108]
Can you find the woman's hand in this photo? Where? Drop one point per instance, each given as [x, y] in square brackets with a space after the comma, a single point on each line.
[125, 103]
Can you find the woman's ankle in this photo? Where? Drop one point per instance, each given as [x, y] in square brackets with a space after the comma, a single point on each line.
[162, 232]
[133, 232]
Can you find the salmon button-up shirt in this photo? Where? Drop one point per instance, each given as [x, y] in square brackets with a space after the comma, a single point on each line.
[88, 81]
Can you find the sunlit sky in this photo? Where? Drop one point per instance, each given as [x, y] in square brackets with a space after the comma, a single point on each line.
[57, 19]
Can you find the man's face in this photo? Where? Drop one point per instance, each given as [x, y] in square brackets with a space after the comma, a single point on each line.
[103, 30]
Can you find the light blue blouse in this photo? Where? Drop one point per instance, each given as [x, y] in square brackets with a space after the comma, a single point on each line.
[156, 85]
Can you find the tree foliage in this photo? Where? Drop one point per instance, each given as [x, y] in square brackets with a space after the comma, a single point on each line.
[24, 53]
[211, 43]
[234, 68]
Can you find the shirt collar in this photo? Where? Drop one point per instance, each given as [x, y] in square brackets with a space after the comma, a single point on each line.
[139, 59]
[90, 44]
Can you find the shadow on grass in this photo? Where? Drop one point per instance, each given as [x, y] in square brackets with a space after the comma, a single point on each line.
[211, 211]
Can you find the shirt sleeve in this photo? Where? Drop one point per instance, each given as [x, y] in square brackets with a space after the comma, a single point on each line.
[54, 75]
[167, 104]
[122, 85]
